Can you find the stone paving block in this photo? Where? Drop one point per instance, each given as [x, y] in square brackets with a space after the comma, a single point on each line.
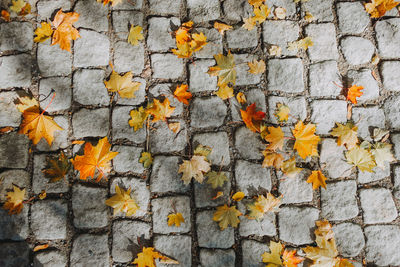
[349, 238]
[322, 75]
[214, 43]
[161, 211]
[165, 7]
[137, 5]
[15, 156]
[16, 36]
[297, 106]
[40, 182]
[368, 118]
[121, 128]
[88, 207]
[391, 81]
[164, 176]
[281, 33]
[252, 96]
[207, 112]
[49, 219]
[60, 137]
[357, 50]
[333, 160]
[90, 250]
[15, 71]
[388, 37]
[48, 54]
[88, 87]
[321, 11]
[236, 10]
[140, 95]
[392, 109]
[217, 257]
[383, 244]
[125, 235]
[47, 8]
[163, 140]
[10, 114]
[90, 122]
[63, 93]
[242, 38]
[160, 34]
[15, 254]
[364, 78]
[203, 11]
[204, 193]
[209, 234]
[127, 159]
[166, 66]
[200, 80]
[339, 201]
[14, 227]
[219, 143]
[91, 15]
[285, 75]
[252, 179]
[376, 175]
[248, 144]
[244, 77]
[251, 259]
[177, 247]
[128, 57]
[324, 38]
[50, 258]
[263, 227]
[325, 113]
[378, 206]
[295, 224]
[19, 178]
[347, 12]
[122, 21]
[166, 90]
[396, 190]
[98, 55]
[396, 144]
[289, 5]
[295, 190]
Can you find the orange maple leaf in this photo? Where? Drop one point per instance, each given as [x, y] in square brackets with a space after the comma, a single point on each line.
[354, 92]
[182, 94]
[275, 137]
[65, 32]
[160, 110]
[182, 35]
[252, 118]
[317, 179]
[306, 141]
[94, 158]
[15, 201]
[290, 259]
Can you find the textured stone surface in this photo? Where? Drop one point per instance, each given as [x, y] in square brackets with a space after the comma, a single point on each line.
[11, 115]
[285, 75]
[90, 122]
[47, 54]
[378, 205]
[333, 160]
[391, 81]
[326, 113]
[383, 243]
[160, 38]
[19, 178]
[14, 254]
[347, 12]
[127, 159]
[177, 247]
[376, 175]
[165, 7]
[244, 138]
[14, 227]
[241, 38]
[250, 258]
[203, 11]
[281, 33]
[321, 11]
[165, 89]
[15, 156]
[97, 56]
[392, 109]
[244, 77]
[166, 66]
[122, 20]
[263, 227]
[91, 15]
[40, 182]
[15, 71]
[209, 258]
[129, 58]
[364, 78]
[204, 193]
[357, 50]
[295, 190]
[164, 140]
[236, 10]
[46, 8]
[388, 37]
[164, 175]
[252, 178]
[214, 46]
[368, 118]
[90, 250]
[297, 106]
[349, 239]
[16, 36]
[50, 258]
[325, 46]
[219, 144]
[62, 91]
[200, 80]
[207, 112]
[397, 182]
[89, 89]
[322, 76]
[209, 234]
[121, 128]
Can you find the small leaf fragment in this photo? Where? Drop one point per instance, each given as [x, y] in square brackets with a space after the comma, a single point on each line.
[43, 33]
[238, 196]
[146, 159]
[15, 200]
[175, 219]
[241, 98]
[275, 50]
[263, 205]
[256, 67]
[282, 112]
[222, 27]
[182, 94]
[382, 153]
[346, 134]
[274, 257]
[353, 92]
[40, 247]
[289, 168]
[224, 92]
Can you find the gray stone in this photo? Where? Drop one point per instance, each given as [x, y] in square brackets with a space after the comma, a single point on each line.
[163, 140]
[50, 259]
[321, 11]
[200, 80]
[378, 206]
[364, 78]
[49, 219]
[325, 113]
[124, 19]
[395, 137]
[251, 227]
[347, 12]
[289, 5]
[367, 119]
[204, 193]
[339, 201]
[295, 224]
[14, 227]
[97, 55]
[91, 16]
[15, 156]
[214, 43]
[242, 38]
[376, 175]
[15, 71]
[161, 211]
[295, 190]
[248, 144]
[136, 5]
[388, 37]
[60, 137]
[280, 33]
[89, 88]
[252, 179]
[125, 239]
[324, 38]
[15, 254]
[140, 95]
[396, 189]
[207, 112]
[40, 182]
[10, 114]
[251, 259]
[165, 89]
[383, 244]
[160, 34]
[285, 75]
[203, 11]
[297, 106]
[322, 78]
[48, 54]
[244, 77]
[177, 247]
[90, 122]
[165, 177]
[62, 93]
[121, 128]
[219, 143]
[19, 178]
[217, 257]
[392, 109]
[165, 7]
[333, 160]
[349, 238]
[236, 10]
[391, 81]
[209, 234]
[128, 57]
[166, 66]
[90, 250]
[127, 159]
[17, 36]
[357, 50]
[47, 8]
[88, 207]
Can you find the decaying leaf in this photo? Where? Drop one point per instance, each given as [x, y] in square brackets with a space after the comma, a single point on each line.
[256, 67]
[122, 202]
[17, 5]
[280, 13]
[290, 259]
[289, 168]
[40, 247]
[122, 84]
[15, 201]
[378, 8]
[65, 32]
[271, 158]
[306, 140]
[275, 138]
[361, 158]
[181, 93]
[382, 153]
[226, 216]
[175, 219]
[135, 35]
[201, 150]
[261, 13]
[224, 92]
[225, 69]
[194, 168]
[274, 257]
[346, 134]
[146, 159]
[174, 126]
[282, 112]
[216, 179]
[138, 117]
[238, 196]
[112, 2]
[317, 179]
[25, 102]
[43, 33]
[252, 118]
[57, 167]
[241, 98]
[42, 194]
[303, 44]
[353, 92]
[275, 50]
[147, 257]
[222, 27]
[309, 17]
[5, 15]
[263, 205]
[160, 110]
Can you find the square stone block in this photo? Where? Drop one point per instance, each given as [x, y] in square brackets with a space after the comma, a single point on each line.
[219, 144]
[16, 155]
[91, 49]
[285, 75]
[63, 93]
[166, 66]
[89, 88]
[15, 71]
[90, 122]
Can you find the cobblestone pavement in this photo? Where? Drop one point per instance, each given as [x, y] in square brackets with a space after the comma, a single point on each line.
[74, 220]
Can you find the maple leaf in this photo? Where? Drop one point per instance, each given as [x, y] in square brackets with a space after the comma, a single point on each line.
[36, 125]
[252, 118]
[256, 3]
[241, 98]
[94, 159]
[65, 32]
[378, 8]
[216, 179]
[272, 158]
[222, 27]
[122, 84]
[317, 179]
[282, 112]
[303, 44]
[225, 69]
[57, 167]
[138, 117]
[135, 35]
[175, 219]
[226, 216]
[43, 33]
[382, 153]
[146, 159]
[224, 91]
[249, 23]
[361, 158]
[183, 51]
[182, 35]
[238, 196]
[26, 102]
[262, 205]
[290, 259]
[261, 13]
[15, 201]
[5, 15]
[147, 257]
[289, 167]
[201, 150]
[17, 5]
[346, 134]
[122, 202]
[354, 92]
[275, 50]
[199, 40]
[194, 168]
[306, 141]
[275, 137]
[256, 67]
[160, 110]
[182, 94]
[274, 257]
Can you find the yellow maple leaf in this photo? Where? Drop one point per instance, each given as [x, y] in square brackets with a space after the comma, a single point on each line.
[147, 257]
[146, 159]
[353, 92]
[122, 84]
[135, 35]
[317, 179]
[199, 40]
[256, 67]
[175, 219]
[378, 8]
[238, 196]
[382, 153]
[122, 202]
[26, 102]
[249, 23]
[261, 13]
[225, 69]
[263, 205]
[272, 158]
[194, 168]
[361, 158]
[138, 117]
[65, 32]
[275, 137]
[256, 3]
[282, 112]
[346, 134]
[43, 33]
[15, 200]
[241, 98]
[222, 27]
[226, 216]
[289, 167]
[303, 44]
[160, 110]
[17, 5]
[274, 257]
[216, 179]
[225, 91]
[306, 141]
[183, 51]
